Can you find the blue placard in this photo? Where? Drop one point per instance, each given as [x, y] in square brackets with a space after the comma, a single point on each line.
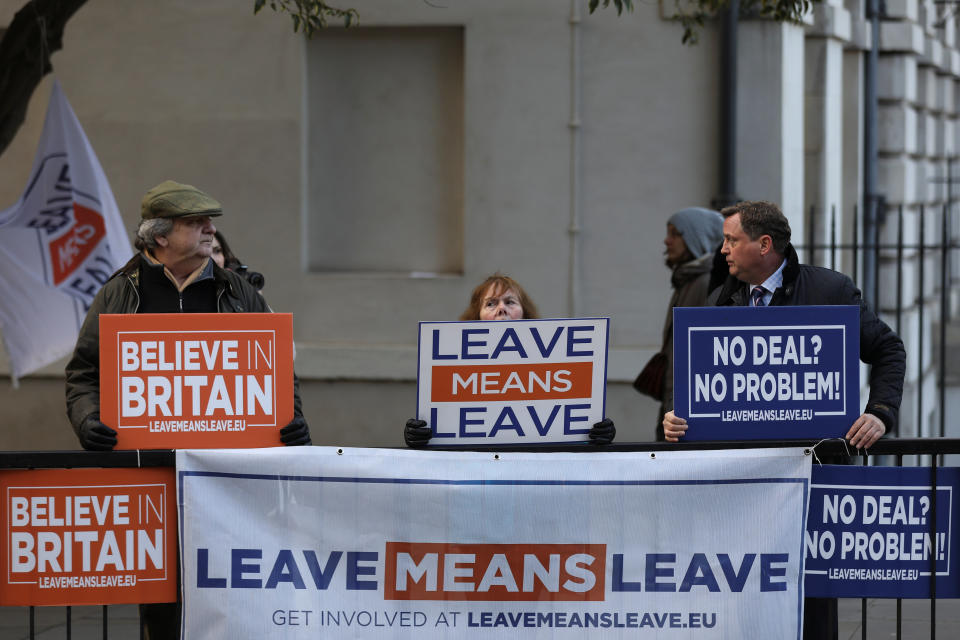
[746, 373]
[870, 533]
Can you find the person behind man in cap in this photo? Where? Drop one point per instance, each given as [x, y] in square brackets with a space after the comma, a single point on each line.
[173, 273]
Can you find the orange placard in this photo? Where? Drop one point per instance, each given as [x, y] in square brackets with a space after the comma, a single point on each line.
[196, 380]
[88, 536]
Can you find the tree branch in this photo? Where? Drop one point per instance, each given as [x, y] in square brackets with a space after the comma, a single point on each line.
[35, 32]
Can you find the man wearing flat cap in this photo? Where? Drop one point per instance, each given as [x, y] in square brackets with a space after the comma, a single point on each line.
[173, 273]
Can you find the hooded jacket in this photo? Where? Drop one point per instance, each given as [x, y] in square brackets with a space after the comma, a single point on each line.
[880, 346]
[689, 281]
[120, 294]
[702, 231]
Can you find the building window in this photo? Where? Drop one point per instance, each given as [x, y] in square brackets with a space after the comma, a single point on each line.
[385, 155]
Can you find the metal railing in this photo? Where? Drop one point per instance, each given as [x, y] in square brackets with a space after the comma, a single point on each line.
[896, 255]
[884, 451]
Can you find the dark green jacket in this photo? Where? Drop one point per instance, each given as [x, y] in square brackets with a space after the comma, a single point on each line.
[120, 295]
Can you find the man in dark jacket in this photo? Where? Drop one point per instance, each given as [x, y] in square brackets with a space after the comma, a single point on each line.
[765, 270]
[173, 273]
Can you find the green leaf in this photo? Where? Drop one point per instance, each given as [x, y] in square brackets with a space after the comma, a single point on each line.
[593, 5]
[258, 5]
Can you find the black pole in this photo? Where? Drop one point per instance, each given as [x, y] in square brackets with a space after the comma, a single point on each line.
[900, 270]
[728, 109]
[878, 206]
[933, 546]
[833, 238]
[899, 600]
[863, 601]
[942, 381]
[856, 246]
[920, 305]
[870, 146]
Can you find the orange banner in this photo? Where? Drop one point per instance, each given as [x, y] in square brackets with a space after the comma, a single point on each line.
[88, 536]
[495, 572]
[196, 380]
[506, 382]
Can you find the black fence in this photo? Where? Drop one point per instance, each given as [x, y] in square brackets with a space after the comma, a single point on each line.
[886, 452]
[934, 283]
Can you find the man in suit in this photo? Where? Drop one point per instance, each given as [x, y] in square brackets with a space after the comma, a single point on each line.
[765, 270]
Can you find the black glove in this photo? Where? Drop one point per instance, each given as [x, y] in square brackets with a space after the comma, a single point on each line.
[296, 433]
[96, 436]
[416, 434]
[603, 432]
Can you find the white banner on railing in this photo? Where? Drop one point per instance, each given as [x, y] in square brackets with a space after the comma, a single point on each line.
[371, 543]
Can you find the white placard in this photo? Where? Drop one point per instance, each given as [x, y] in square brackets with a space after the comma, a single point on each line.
[512, 382]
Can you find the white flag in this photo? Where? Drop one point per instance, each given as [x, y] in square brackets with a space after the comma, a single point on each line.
[58, 244]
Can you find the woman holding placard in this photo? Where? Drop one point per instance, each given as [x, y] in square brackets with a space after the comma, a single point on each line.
[500, 297]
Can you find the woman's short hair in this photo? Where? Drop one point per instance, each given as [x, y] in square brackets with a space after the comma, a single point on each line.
[151, 229]
[500, 283]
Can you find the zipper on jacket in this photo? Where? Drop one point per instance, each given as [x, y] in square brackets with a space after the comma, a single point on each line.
[136, 293]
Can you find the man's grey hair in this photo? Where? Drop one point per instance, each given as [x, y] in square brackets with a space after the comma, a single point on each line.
[150, 230]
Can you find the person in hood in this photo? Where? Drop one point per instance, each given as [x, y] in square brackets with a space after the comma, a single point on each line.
[693, 235]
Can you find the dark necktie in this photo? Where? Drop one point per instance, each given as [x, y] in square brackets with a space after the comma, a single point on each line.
[757, 296]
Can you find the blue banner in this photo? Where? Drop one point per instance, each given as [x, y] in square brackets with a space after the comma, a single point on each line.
[881, 532]
[746, 373]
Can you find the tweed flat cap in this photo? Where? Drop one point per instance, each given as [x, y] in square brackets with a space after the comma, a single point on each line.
[171, 199]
